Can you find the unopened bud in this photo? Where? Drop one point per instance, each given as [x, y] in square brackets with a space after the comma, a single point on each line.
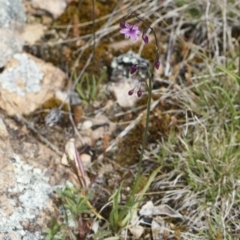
[131, 92]
[145, 38]
[133, 69]
[157, 64]
[122, 25]
[139, 93]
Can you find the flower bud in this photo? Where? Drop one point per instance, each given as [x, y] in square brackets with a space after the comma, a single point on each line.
[145, 38]
[157, 64]
[133, 69]
[131, 92]
[122, 25]
[139, 93]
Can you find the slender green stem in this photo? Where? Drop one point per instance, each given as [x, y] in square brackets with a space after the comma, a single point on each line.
[138, 178]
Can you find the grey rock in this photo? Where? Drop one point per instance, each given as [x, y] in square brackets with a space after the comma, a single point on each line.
[11, 12]
[33, 194]
[121, 67]
[12, 22]
[29, 73]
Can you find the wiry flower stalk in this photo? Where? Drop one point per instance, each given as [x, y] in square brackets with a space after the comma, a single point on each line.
[132, 31]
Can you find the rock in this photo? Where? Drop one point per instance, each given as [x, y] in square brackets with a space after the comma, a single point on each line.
[121, 67]
[12, 14]
[96, 129]
[54, 7]
[10, 43]
[86, 160]
[3, 129]
[122, 81]
[120, 90]
[101, 126]
[86, 125]
[30, 173]
[12, 21]
[32, 33]
[27, 82]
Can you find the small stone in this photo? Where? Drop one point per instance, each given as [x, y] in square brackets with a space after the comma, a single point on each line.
[86, 160]
[87, 124]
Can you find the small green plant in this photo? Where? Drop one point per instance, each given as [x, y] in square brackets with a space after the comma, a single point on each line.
[75, 204]
[121, 215]
[75, 201]
[53, 231]
[89, 86]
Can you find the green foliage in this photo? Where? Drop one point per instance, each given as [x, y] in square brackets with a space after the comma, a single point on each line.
[53, 231]
[102, 234]
[89, 86]
[74, 204]
[119, 211]
[193, 10]
[121, 215]
[74, 201]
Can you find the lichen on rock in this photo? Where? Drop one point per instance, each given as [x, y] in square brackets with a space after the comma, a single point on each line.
[12, 22]
[11, 12]
[28, 197]
[27, 82]
[25, 78]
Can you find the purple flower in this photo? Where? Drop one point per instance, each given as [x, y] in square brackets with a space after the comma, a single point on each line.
[157, 64]
[130, 31]
[145, 38]
[133, 69]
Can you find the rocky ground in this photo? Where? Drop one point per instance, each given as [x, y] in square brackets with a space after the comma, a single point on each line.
[64, 79]
[31, 149]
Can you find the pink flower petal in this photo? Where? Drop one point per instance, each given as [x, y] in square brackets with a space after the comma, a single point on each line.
[127, 35]
[134, 27]
[124, 30]
[127, 25]
[129, 30]
[138, 32]
[133, 37]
